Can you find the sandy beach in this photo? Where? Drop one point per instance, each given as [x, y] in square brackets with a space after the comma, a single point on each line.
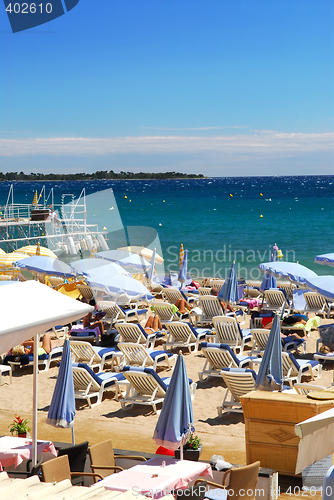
[132, 429]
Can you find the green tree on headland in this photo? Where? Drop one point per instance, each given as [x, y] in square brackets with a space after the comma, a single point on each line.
[100, 174]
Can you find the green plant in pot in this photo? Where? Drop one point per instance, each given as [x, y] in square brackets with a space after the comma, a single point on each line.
[19, 426]
[192, 449]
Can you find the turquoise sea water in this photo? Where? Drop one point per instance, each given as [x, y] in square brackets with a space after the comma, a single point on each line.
[215, 227]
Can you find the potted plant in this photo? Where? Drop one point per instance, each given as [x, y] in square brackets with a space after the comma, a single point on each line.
[19, 426]
[192, 449]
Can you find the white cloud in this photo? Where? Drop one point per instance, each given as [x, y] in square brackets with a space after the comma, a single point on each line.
[197, 128]
[270, 144]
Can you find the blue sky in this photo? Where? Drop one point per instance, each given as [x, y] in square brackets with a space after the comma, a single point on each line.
[210, 86]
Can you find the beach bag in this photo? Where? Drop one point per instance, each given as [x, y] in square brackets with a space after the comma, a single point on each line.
[326, 333]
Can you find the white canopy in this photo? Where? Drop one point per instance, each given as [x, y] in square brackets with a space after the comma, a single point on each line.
[30, 308]
[316, 439]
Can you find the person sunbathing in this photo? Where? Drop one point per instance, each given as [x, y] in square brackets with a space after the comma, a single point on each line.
[183, 306]
[153, 324]
[27, 347]
[225, 306]
[88, 320]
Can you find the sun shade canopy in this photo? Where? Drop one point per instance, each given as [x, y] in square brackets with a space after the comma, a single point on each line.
[30, 308]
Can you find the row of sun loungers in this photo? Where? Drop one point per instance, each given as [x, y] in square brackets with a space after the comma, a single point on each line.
[135, 359]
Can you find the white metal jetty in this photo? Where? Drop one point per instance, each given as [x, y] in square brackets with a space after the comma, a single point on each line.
[63, 228]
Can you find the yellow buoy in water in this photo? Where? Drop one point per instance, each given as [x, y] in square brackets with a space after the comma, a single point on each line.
[129, 201]
[231, 195]
[163, 201]
[261, 216]
[125, 196]
[261, 194]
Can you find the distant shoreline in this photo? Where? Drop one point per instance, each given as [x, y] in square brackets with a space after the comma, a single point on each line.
[89, 180]
[95, 176]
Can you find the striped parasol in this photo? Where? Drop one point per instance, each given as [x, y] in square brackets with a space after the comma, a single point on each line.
[33, 250]
[2, 252]
[6, 260]
[181, 254]
[35, 200]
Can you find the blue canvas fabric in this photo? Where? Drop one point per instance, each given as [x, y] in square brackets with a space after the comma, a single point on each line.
[226, 347]
[150, 371]
[292, 270]
[48, 265]
[323, 285]
[102, 376]
[269, 281]
[150, 272]
[176, 418]
[62, 408]
[270, 375]
[229, 291]
[326, 258]
[182, 277]
[120, 284]
[24, 359]
[197, 331]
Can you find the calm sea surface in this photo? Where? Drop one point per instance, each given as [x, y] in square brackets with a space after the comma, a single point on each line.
[217, 219]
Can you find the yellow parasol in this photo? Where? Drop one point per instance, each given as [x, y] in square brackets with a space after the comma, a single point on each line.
[7, 259]
[181, 254]
[2, 252]
[35, 200]
[33, 249]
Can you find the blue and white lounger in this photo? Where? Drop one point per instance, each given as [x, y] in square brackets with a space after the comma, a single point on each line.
[147, 388]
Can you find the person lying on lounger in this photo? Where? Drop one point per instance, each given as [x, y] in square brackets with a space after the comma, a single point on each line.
[225, 306]
[27, 347]
[153, 324]
[183, 306]
[88, 320]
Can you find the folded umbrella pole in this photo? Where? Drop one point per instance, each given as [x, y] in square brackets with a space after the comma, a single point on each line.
[176, 418]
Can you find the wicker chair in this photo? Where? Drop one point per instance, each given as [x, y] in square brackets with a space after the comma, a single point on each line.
[102, 458]
[58, 469]
[77, 458]
[241, 485]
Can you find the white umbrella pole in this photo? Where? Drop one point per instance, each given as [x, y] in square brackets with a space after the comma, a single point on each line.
[34, 408]
[73, 440]
[181, 452]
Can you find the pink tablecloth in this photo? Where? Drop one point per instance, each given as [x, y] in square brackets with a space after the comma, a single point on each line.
[152, 479]
[13, 450]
